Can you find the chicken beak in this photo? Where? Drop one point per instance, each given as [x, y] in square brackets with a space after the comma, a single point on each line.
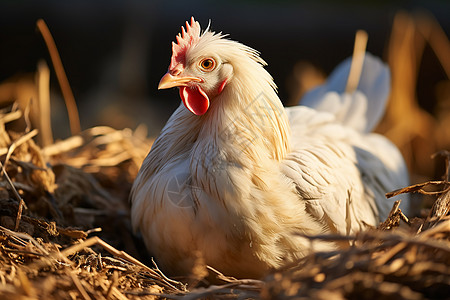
[169, 80]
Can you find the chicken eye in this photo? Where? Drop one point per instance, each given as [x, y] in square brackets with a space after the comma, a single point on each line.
[207, 64]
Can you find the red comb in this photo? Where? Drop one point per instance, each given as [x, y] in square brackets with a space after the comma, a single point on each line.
[184, 40]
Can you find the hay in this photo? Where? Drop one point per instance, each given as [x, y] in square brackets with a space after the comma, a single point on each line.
[50, 254]
[379, 265]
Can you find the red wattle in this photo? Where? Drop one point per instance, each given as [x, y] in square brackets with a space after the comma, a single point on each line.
[195, 99]
[222, 86]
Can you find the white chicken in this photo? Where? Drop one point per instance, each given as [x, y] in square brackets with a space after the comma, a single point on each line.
[238, 180]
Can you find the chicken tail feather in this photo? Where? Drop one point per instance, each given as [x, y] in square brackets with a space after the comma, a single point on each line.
[361, 108]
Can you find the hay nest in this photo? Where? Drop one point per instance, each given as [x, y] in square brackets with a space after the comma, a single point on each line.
[64, 214]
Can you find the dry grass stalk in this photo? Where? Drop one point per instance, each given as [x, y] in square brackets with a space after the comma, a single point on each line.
[433, 33]
[43, 83]
[66, 90]
[394, 217]
[16, 194]
[356, 67]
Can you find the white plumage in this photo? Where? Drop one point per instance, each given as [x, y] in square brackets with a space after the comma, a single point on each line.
[235, 178]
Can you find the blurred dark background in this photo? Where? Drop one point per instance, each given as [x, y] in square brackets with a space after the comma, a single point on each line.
[114, 52]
